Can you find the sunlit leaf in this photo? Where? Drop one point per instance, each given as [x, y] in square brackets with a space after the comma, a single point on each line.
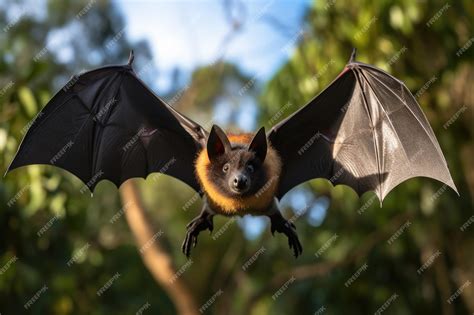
[27, 100]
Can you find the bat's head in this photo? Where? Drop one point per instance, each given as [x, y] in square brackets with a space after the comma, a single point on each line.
[237, 169]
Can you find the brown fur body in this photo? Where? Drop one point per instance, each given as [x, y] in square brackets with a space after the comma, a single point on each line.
[256, 203]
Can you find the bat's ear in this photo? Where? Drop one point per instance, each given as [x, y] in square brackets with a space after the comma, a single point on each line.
[259, 144]
[217, 143]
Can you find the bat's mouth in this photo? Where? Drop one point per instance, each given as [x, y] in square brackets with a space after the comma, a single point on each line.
[240, 191]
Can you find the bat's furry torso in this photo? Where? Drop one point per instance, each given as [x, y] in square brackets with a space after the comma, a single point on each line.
[264, 189]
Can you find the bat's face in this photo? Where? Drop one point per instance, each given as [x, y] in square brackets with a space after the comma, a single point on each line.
[237, 169]
[238, 172]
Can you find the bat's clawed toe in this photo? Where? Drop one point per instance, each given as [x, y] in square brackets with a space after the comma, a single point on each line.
[280, 225]
[197, 225]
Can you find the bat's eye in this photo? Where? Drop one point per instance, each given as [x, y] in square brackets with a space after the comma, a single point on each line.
[250, 168]
[225, 168]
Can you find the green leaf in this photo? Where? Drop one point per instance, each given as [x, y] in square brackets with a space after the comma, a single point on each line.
[27, 100]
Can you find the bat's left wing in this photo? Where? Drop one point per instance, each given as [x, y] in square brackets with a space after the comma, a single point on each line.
[365, 130]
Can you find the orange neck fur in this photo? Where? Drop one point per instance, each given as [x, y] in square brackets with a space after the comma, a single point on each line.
[245, 205]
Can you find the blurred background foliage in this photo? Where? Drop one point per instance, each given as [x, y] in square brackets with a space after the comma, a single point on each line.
[348, 232]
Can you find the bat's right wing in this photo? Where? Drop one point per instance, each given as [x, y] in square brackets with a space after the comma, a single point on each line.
[107, 124]
[365, 130]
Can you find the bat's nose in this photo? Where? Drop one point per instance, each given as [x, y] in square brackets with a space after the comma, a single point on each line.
[240, 182]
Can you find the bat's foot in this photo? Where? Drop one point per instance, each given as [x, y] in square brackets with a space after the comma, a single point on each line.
[280, 225]
[198, 224]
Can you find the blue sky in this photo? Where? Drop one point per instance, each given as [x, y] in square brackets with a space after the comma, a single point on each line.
[185, 34]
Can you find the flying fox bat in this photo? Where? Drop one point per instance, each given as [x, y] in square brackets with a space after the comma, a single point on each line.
[365, 130]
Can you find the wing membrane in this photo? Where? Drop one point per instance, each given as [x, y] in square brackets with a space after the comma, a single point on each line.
[365, 130]
[106, 124]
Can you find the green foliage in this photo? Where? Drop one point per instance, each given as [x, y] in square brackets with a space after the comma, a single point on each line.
[64, 239]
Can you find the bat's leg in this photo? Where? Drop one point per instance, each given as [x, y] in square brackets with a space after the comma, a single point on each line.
[279, 224]
[200, 223]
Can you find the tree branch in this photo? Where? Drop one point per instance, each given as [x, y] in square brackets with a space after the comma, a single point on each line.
[155, 257]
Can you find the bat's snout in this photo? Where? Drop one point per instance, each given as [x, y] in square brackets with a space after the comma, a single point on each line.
[240, 183]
